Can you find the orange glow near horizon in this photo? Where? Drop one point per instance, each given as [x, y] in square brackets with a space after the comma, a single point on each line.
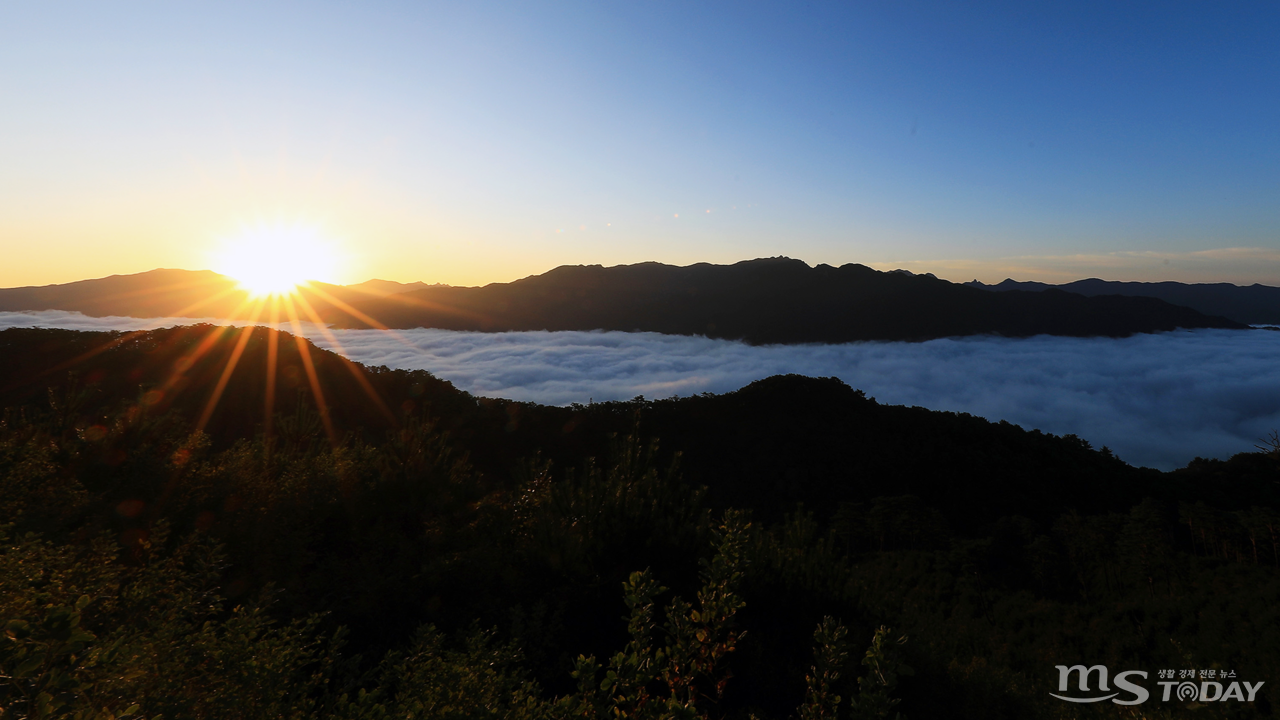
[278, 266]
[273, 260]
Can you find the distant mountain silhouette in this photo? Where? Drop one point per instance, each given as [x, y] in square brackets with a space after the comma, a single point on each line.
[170, 293]
[389, 287]
[158, 293]
[1253, 304]
[774, 300]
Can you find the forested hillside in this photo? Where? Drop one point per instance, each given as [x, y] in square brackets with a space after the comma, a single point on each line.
[392, 547]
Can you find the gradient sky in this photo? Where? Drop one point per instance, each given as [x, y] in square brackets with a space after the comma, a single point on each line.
[477, 142]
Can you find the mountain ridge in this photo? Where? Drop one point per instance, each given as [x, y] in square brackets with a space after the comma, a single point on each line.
[764, 301]
[1254, 304]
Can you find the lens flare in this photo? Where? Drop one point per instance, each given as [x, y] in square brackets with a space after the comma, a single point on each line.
[275, 260]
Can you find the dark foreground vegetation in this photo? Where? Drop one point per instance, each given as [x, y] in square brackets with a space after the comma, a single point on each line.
[793, 549]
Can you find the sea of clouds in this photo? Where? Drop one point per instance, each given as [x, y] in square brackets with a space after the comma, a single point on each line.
[1157, 400]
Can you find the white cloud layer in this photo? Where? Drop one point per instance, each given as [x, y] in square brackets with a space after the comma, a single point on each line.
[1156, 400]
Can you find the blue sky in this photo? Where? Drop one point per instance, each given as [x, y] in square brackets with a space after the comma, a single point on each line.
[478, 142]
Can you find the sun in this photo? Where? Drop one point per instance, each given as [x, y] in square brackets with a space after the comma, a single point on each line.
[276, 259]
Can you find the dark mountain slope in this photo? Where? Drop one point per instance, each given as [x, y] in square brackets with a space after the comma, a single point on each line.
[769, 445]
[774, 300]
[1253, 304]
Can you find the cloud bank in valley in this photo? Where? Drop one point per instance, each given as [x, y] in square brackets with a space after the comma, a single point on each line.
[1156, 400]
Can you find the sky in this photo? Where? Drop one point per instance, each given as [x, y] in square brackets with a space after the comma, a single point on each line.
[1156, 400]
[478, 142]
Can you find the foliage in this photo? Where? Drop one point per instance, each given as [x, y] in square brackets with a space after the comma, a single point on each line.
[147, 569]
[688, 669]
[92, 633]
[481, 679]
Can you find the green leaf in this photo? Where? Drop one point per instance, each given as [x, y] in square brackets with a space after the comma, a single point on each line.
[28, 667]
[17, 629]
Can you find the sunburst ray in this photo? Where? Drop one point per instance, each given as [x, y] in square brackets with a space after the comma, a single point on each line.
[309, 366]
[273, 348]
[232, 361]
[351, 367]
